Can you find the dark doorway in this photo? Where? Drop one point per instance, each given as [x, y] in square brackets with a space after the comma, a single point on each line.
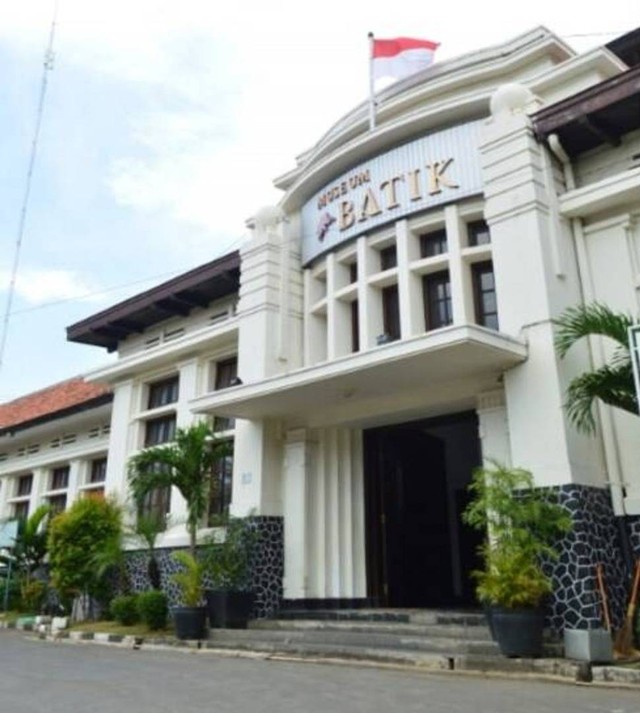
[419, 553]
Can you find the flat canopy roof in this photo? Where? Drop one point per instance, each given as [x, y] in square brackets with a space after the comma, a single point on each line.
[178, 296]
[600, 114]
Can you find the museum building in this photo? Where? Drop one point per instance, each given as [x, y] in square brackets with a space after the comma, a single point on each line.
[389, 327]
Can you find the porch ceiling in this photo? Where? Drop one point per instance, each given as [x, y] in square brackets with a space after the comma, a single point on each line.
[427, 368]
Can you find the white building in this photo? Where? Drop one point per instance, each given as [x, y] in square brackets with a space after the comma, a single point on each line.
[389, 326]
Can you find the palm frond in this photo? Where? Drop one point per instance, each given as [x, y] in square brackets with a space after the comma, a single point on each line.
[590, 320]
[611, 384]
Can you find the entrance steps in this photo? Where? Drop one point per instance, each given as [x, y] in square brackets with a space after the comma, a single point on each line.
[431, 638]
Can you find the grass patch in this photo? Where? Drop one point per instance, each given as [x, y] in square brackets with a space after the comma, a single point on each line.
[112, 627]
[12, 616]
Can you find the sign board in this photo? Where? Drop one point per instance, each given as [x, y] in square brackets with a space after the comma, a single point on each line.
[8, 533]
[433, 170]
[634, 349]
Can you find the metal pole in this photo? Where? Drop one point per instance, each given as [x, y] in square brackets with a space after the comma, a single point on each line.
[6, 587]
[372, 94]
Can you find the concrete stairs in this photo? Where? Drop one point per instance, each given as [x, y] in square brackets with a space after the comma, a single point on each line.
[427, 638]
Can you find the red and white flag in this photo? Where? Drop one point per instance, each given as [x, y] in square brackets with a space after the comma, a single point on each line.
[400, 57]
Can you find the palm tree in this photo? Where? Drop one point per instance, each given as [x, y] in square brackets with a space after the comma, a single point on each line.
[612, 383]
[187, 463]
[30, 547]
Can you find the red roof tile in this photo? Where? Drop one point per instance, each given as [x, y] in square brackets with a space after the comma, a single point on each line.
[48, 401]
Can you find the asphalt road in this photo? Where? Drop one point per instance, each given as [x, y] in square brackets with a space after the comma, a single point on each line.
[44, 677]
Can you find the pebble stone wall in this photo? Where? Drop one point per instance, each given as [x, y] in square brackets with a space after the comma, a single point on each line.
[267, 567]
[595, 539]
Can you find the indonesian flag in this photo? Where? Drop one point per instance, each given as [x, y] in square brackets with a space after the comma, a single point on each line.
[400, 57]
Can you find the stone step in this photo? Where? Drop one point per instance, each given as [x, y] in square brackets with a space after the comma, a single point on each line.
[252, 638]
[455, 631]
[408, 616]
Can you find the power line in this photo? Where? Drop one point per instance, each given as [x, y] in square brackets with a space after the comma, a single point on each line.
[47, 67]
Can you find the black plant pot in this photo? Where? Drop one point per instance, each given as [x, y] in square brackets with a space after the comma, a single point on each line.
[190, 622]
[228, 609]
[518, 631]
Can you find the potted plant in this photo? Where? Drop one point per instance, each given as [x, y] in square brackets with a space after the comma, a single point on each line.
[190, 619]
[227, 564]
[521, 524]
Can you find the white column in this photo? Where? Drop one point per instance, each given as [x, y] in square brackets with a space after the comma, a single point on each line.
[369, 300]
[461, 304]
[493, 427]
[409, 285]
[295, 520]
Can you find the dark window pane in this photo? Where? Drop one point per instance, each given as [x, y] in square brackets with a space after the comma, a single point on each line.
[21, 510]
[226, 372]
[484, 292]
[98, 470]
[221, 485]
[437, 300]
[391, 311]
[156, 505]
[388, 258]
[163, 392]
[57, 503]
[355, 327]
[25, 483]
[60, 478]
[159, 430]
[434, 243]
[478, 233]
[353, 272]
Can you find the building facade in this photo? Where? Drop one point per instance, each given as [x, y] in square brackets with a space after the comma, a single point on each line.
[389, 327]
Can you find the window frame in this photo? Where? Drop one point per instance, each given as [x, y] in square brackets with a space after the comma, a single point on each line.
[478, 269]
[429, 281]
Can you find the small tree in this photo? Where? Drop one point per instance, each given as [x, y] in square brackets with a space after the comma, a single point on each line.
[77, 538]
[146, 530]
[186, 464]
[30, 548]
[522, 525]
[612, 383]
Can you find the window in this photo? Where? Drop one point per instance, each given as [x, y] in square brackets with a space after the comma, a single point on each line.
[156, 504]
[437, 300]
[57, 503]
[60, 478]
[159, 430]
[391, 312]
[220, 493]
[478, 233]
[21, 510]
[434, 243]
[98, 472]
[484, 293]
[355, 327]
[353, 272]
[226, 374]
[25, 483]
[388, 258]
[163, 392]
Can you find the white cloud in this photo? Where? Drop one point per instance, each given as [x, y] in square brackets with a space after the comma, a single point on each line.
[39, 286]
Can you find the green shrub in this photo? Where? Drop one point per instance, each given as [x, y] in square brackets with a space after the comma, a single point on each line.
[124, 609]
[32, 595]
[153, 609]
[77, 537]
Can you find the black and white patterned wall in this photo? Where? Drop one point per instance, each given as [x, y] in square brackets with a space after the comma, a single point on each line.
[595, 539]
[267, 567]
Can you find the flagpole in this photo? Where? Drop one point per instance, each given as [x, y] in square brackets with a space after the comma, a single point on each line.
[372, 94]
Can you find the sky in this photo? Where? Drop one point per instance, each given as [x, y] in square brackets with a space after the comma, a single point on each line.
[165, 124]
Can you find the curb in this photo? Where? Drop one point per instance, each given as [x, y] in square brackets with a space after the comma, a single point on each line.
[559, 670]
